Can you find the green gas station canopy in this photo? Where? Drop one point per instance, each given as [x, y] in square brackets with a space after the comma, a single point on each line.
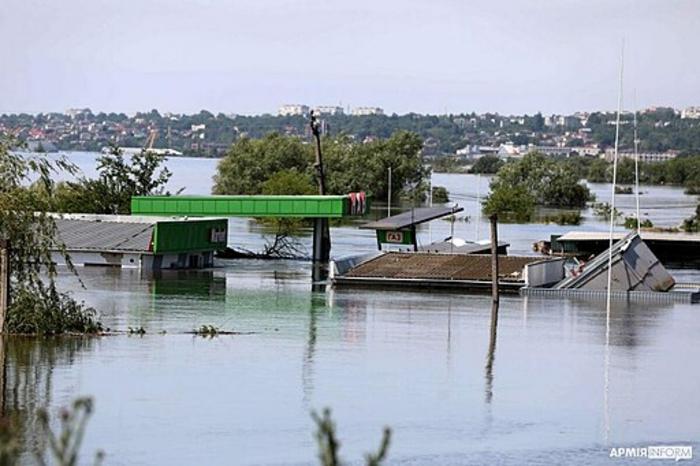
[243, 206]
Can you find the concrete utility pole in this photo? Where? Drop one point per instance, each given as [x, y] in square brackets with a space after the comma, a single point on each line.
[322, 236]
[4, 281]
[494, 277]
[494, 295]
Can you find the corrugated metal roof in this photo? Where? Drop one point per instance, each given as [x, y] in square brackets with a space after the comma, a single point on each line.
[411, 217]
[82, 235]
[441, 266]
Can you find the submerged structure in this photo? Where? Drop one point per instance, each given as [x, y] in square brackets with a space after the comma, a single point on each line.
[450, 264]
[634, 268]
[677, 249]
[636, 274]
[140, 242]
[426, 271]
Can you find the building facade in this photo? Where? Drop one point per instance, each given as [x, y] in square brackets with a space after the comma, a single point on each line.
[293, 110]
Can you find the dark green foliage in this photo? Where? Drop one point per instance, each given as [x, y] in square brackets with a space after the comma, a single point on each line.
[511, 204]
[440, 195]
[45, 311]
[36, 306]
[349, 166]
[631, 223]
[692, 224]
[488, 164]
[447, 164]
[681, 171]
[251, 162]
[289, 182]
[206, 331]
[602, 209]
[534, 180]
[328, 444]
[354, 167]
[117, 182]
[659, 130]
[564, 218]
[623, 190]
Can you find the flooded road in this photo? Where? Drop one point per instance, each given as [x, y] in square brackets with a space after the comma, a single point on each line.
[558, 393]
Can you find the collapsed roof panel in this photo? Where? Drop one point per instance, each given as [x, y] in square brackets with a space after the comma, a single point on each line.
[634, 268]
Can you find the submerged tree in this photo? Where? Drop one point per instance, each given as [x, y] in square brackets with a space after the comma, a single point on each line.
[350, 166]
[118, 180]
[36, 307]
[535, 180]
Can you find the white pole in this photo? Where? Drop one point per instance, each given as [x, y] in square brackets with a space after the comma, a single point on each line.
[388, 207]
[614, 180]
[430, 204]
[478, 205]
[636, 165]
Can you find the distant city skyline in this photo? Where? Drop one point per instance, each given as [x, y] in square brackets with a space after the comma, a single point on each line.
[511, 57]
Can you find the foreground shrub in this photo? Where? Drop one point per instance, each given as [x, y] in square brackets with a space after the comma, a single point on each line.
[49, 312]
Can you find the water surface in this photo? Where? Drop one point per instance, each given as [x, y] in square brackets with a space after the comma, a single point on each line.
[560, 392]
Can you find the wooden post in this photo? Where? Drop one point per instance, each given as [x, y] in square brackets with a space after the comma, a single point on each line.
[4, 282]
[322, 235]
[494, 308]
[494, 277]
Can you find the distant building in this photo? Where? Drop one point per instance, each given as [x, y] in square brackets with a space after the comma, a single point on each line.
[549, 150]
[361, 111]
[78, 112]
[643, 156]
[293, 110]
[691, 113]
[590, 151]
[329, 110]
[509, 150]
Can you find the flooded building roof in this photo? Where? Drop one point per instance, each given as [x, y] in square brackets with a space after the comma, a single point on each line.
[441, 266]
[104, 235]
[411, 217]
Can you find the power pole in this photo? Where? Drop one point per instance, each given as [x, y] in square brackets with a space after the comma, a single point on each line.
[494, 277]
[494, 296]
[322, 236]
[4, 281]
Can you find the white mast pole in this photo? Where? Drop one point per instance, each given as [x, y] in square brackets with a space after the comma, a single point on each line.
[388, 206]
[636, 165]
[430, 204]
[478, 204]
[614, 180]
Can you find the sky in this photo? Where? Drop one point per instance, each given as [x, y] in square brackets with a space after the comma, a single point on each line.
[438, 56]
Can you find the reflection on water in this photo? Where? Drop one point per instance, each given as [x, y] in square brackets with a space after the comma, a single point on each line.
[552, 393]
[409, 360]
[26, 380]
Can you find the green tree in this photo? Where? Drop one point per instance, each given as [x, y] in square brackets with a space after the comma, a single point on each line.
[547, 182]
[251, 162]
[36, 307]
[510, 203]
[349, 166]
[365, 167]
[118, 180]
[488, 164]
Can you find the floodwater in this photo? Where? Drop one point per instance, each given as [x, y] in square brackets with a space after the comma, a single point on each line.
[559, 392]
